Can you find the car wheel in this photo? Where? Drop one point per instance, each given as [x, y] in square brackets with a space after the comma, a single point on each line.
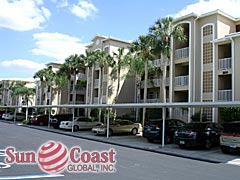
[168, 139]
[225, 150]
[75, 128]
[208, 144]
[41, 123]
[134, 131]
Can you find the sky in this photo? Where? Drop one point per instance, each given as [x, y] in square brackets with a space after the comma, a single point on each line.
[36, 32]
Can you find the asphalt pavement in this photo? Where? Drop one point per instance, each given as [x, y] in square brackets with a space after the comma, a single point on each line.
[138, 142]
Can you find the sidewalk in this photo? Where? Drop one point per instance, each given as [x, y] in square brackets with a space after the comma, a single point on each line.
[138, 142]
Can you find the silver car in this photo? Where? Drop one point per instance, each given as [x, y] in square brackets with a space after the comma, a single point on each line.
[79, 123]
[118, 127]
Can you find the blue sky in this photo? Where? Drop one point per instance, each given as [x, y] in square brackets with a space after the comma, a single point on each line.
[36, 32]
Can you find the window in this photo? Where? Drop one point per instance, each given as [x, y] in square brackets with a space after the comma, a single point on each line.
[106, 49]
[208, 30]
[238, 28]
[207, 53]
[207, 82]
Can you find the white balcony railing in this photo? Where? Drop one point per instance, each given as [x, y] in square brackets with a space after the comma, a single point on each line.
[182, 53]
[225, 63]
[96, 100]
[181, 81]
[150, 100]
[96, 83]
[156, 62]
[225, 95]
[82, 76]
[180, 113]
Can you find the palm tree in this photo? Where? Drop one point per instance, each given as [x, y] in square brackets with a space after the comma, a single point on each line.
[90, 60]
[136, 65]
[66, 72]
[143, 47]
[103, 60]
[162, 32]
[46, 76]
[20, 90]
[120, 61]
[71, 68]
[59, 80]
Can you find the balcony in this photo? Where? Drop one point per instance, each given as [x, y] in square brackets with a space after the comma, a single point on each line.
[150, 100]
[96, 83]
[82, 76]
[151, 83]
[225, 95]
[181, 53]
[181, 81]
[157, 62]
[180, 113]
[104, 100]
[225, 64]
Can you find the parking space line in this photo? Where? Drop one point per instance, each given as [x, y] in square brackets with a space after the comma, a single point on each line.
[31, 176]
[234, 162]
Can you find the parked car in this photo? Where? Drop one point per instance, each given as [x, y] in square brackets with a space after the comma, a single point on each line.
[117, 127]
[56, 119]
[41, 119]
[10, 116]
[204, 134]
[230, 137]
[80, 123]
[153, 129]
[3, 112]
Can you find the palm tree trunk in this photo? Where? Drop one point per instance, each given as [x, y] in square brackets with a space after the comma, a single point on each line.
[145, 91]
[118, 88]
[91, 91]
[101, 92]
[87, 87]
[138, 83]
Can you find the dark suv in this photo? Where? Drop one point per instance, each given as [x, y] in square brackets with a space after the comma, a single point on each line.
[153, 129]
[55, 120]
[204, 134]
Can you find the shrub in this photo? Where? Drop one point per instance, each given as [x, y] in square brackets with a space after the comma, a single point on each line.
[197, 116]
[230, 114]
[26, 121]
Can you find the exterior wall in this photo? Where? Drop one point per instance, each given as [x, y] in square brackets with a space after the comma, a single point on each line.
[127, 93]
[223, 28]
[236, 68]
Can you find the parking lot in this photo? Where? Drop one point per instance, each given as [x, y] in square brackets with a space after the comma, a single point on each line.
[138, 142]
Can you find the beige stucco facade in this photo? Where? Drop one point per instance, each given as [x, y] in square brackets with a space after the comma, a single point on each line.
[127, 85]
[211, 64]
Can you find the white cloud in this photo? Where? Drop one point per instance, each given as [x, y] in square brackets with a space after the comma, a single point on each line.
[84, 9]
[23, 15]
[57, 45]
[61, 3]
[230, 7]
[21, 66]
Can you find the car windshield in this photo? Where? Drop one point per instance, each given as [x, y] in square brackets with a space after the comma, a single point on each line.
[232, 128]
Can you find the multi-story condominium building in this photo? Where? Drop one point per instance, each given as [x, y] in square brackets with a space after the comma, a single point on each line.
[204, 68]
[47, 93]
[109, 84]
[6, 94]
